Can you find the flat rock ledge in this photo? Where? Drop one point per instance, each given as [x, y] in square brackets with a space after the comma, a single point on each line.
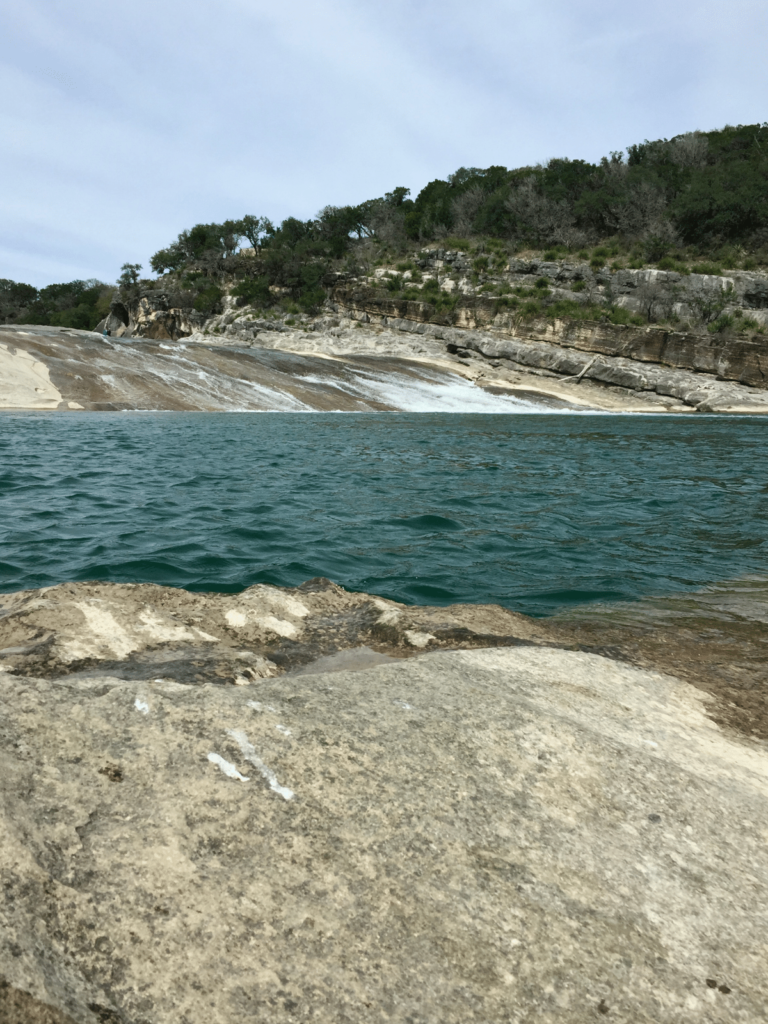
[510, 832]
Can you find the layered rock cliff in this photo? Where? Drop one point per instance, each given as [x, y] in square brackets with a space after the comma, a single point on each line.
[150, 315]
[692, 368]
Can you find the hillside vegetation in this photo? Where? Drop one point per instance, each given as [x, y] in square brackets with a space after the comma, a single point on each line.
[77, 304]
[697, 202]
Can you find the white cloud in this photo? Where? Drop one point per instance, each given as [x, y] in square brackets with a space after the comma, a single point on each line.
[125, 123]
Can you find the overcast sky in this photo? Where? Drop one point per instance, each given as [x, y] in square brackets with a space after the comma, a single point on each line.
[124, 122]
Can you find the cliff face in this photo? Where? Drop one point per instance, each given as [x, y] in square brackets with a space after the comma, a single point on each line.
[150, 315]
[733, 356]
[738, 359]
[629, 288]
[470, 310]
[729, 355]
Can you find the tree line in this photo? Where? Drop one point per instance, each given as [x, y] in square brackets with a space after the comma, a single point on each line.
[707, 191]
[76, 304]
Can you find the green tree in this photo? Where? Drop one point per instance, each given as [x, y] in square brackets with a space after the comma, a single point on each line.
[724, 201]
[255, 228]
[129, 276]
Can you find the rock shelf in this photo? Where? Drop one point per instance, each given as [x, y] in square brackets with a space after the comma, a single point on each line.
[297, 805]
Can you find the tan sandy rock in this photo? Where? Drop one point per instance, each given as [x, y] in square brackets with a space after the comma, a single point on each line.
[141, 630]
[514, 834]
[25, 382]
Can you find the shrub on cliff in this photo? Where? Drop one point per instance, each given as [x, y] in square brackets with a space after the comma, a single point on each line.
[209, 300]
[253, 291]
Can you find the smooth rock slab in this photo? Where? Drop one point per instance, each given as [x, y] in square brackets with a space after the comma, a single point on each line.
[475, 836]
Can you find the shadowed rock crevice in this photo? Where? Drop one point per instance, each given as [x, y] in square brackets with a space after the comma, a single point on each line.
[17, 1007]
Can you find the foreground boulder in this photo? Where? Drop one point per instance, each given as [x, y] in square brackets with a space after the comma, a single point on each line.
[511, 834]
[141, 631]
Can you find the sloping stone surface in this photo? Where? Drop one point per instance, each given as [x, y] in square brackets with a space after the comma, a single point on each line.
[499, 835]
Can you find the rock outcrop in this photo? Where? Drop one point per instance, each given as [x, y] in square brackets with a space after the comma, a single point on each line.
[141, 630]
[721, 372]
[149, 314]
[56, 368]
[565, 352]
[629, 288]
[253, 364]
[705, 393]
[741, 360]
[524, 833]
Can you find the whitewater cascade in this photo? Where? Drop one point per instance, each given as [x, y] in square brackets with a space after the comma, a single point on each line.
[88, 372]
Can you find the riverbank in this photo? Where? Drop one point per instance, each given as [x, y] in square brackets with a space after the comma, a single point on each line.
[339, 363]
[715, 639]
[290, 803]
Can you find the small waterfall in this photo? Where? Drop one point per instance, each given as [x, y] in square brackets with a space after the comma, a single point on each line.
[272, 381]
[141, 374]
[437, 392]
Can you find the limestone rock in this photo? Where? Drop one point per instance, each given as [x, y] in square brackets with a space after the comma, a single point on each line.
[144, 631]
[491, 835]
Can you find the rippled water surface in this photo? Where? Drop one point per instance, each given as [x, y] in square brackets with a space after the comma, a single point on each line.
[537, 512]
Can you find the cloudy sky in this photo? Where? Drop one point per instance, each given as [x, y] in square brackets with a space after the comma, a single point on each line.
[124, 122]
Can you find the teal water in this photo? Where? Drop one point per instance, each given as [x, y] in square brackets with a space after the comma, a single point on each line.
[536, 512]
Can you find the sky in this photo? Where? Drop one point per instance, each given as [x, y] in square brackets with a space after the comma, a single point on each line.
[124, 123]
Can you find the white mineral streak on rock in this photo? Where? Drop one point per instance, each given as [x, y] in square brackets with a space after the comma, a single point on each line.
[275, 600]
[239, 618]
[389, 613]
[280, 626]
[166, 630]
[292, 606]
[227, 767]
[283, 729]
[416, 639]
[106, 634]
[249, 753]
[141, 705]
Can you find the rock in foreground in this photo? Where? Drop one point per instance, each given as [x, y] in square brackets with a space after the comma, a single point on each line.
[509, 834]
[141, 631]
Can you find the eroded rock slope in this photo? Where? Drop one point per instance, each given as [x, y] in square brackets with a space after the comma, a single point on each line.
[208, 814]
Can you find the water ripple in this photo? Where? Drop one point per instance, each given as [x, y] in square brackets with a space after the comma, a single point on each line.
[534, 512]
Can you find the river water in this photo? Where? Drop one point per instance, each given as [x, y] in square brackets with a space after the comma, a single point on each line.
[537, 512]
